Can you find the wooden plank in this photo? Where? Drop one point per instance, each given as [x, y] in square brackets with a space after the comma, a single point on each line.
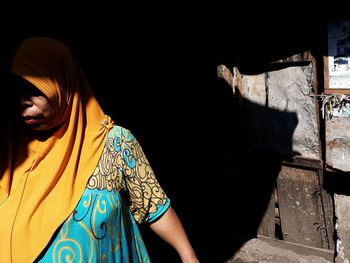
[299, 249]
[326, 74]
[317, 104]
[224, 73]
[304, 162]
[337, 91]
[267, 224]
[237, 85]
[299, 57]
[298, 193]
[328, 213]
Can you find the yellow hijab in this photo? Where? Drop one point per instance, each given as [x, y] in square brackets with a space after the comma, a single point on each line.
[43, 179]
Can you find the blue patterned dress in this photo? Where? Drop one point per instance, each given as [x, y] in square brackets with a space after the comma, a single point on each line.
[121, 192]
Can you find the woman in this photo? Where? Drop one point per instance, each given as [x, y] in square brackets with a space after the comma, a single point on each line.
[73, 184]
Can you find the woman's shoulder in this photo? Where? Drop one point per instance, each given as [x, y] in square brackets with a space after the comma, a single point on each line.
[121, 133]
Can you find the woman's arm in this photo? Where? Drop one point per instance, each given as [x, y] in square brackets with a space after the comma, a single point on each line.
[170, 229]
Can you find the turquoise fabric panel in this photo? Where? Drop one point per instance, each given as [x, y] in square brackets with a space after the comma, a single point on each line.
[121, 193]
[101, 229]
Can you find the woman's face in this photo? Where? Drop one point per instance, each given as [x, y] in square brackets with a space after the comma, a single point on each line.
[35, 110]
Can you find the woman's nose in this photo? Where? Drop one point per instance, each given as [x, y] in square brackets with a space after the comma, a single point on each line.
[25, 102]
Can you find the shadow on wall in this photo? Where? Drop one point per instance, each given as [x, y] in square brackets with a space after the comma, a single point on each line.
[222, 198]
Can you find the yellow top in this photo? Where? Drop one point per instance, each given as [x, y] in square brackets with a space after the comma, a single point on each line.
[43, 179]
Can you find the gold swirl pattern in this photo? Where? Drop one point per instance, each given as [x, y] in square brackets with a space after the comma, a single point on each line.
[103, 226]
[107, 174]
[103, 231]
[142, 253]
[124, 166]
[67, 249]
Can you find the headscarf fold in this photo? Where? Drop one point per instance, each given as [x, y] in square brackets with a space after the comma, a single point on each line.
[43, 179]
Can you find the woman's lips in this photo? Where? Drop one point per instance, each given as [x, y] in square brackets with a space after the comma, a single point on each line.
[31, 119]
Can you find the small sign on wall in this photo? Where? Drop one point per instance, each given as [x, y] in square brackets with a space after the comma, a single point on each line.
[337, 61]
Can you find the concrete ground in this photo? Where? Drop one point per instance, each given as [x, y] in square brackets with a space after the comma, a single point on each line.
[258, 251]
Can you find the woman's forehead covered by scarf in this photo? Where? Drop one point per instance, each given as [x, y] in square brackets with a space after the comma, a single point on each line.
[51, 67]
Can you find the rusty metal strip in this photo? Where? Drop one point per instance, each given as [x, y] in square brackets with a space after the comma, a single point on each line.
[303, 162]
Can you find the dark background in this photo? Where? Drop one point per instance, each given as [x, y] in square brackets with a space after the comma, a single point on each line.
[154, 71]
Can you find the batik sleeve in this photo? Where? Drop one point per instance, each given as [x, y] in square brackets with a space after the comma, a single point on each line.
[147, 199]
